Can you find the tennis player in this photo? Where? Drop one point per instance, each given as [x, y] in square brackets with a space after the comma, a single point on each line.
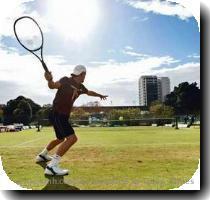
[68, 90]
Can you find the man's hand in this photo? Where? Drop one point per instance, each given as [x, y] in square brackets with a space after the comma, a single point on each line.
[48, 76]
[103, 97]
[94, 94]
[51, 84]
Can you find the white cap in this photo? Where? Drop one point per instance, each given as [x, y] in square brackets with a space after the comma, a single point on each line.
[79, 69]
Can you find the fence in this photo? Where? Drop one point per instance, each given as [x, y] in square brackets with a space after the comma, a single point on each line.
[172, 122]
[126, 122]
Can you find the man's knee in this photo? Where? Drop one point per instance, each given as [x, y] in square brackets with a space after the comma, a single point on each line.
[72, 138]
[60, 140]
[75, 139]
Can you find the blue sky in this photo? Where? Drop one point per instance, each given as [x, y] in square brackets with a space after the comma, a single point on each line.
[118, 41]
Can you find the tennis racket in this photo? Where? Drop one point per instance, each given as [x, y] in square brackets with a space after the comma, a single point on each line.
[30, 36]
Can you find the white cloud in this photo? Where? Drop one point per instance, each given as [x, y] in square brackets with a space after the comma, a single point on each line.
[196, 56]
[189, 72]
[26, 72]
[11, 10]
[129, 71]
[194, 8]
[161, 7]
[144, 19]
[129, 48]
[135, 54]
[139, 19]
[74, 19]
[20, 75]
[167, 60]
[118, 80]
[111, 51]
[8, 10]
[110, 61]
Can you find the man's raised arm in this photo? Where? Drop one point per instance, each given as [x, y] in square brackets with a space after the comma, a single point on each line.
[51, 83]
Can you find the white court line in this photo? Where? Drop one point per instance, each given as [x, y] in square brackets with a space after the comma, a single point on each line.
[30, 141]
[23, 143]
[113, 145]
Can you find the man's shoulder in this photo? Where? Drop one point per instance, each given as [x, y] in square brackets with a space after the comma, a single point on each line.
[64, 79]
[83, 89]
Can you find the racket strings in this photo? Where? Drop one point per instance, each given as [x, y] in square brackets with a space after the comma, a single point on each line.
[29, 34]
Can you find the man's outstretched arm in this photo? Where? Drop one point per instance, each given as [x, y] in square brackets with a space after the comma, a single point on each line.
[95, 94]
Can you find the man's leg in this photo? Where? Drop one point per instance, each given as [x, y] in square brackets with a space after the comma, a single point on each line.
[43, 156]
[52, 168]
[62, 149]
[65, 146]
[63, 130]
[53, 144]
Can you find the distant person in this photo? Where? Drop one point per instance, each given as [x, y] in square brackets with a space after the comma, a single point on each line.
[186, 119]
[191, 122]
[68, 90]
[90, 120]
[121, 120]
[105, 121]
[193, 119]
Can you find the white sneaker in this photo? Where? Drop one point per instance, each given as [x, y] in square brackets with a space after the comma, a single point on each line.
[55, 171]
[43, 158]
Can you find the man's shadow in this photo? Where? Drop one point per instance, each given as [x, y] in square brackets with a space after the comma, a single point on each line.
[56, 182]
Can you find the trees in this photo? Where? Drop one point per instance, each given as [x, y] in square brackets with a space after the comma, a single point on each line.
[185, 98]
[20, 110]
[79, 114]
[43, 112]
[95, 106]
[1, 115]
[42, 115]
[23, 112]
[129, 113]
[160, 110]
[126, 116]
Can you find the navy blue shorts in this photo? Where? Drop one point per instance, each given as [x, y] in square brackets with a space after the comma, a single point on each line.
[61, 125]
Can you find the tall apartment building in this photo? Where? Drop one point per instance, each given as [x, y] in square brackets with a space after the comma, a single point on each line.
[164, 88]
[153, 88]
[148, 90]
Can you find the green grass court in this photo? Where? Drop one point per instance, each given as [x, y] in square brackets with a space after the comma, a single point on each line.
[120, 158]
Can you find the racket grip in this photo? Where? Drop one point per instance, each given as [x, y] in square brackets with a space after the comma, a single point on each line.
[45, 67]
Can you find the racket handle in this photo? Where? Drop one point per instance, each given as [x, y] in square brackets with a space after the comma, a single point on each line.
[45, 67]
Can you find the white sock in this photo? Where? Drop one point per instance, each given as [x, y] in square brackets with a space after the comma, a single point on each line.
[55, 160]
[44, 152]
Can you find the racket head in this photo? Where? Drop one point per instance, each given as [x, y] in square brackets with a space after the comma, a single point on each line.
[28, 33]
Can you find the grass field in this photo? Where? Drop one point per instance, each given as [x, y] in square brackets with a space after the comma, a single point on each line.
[127, 158]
